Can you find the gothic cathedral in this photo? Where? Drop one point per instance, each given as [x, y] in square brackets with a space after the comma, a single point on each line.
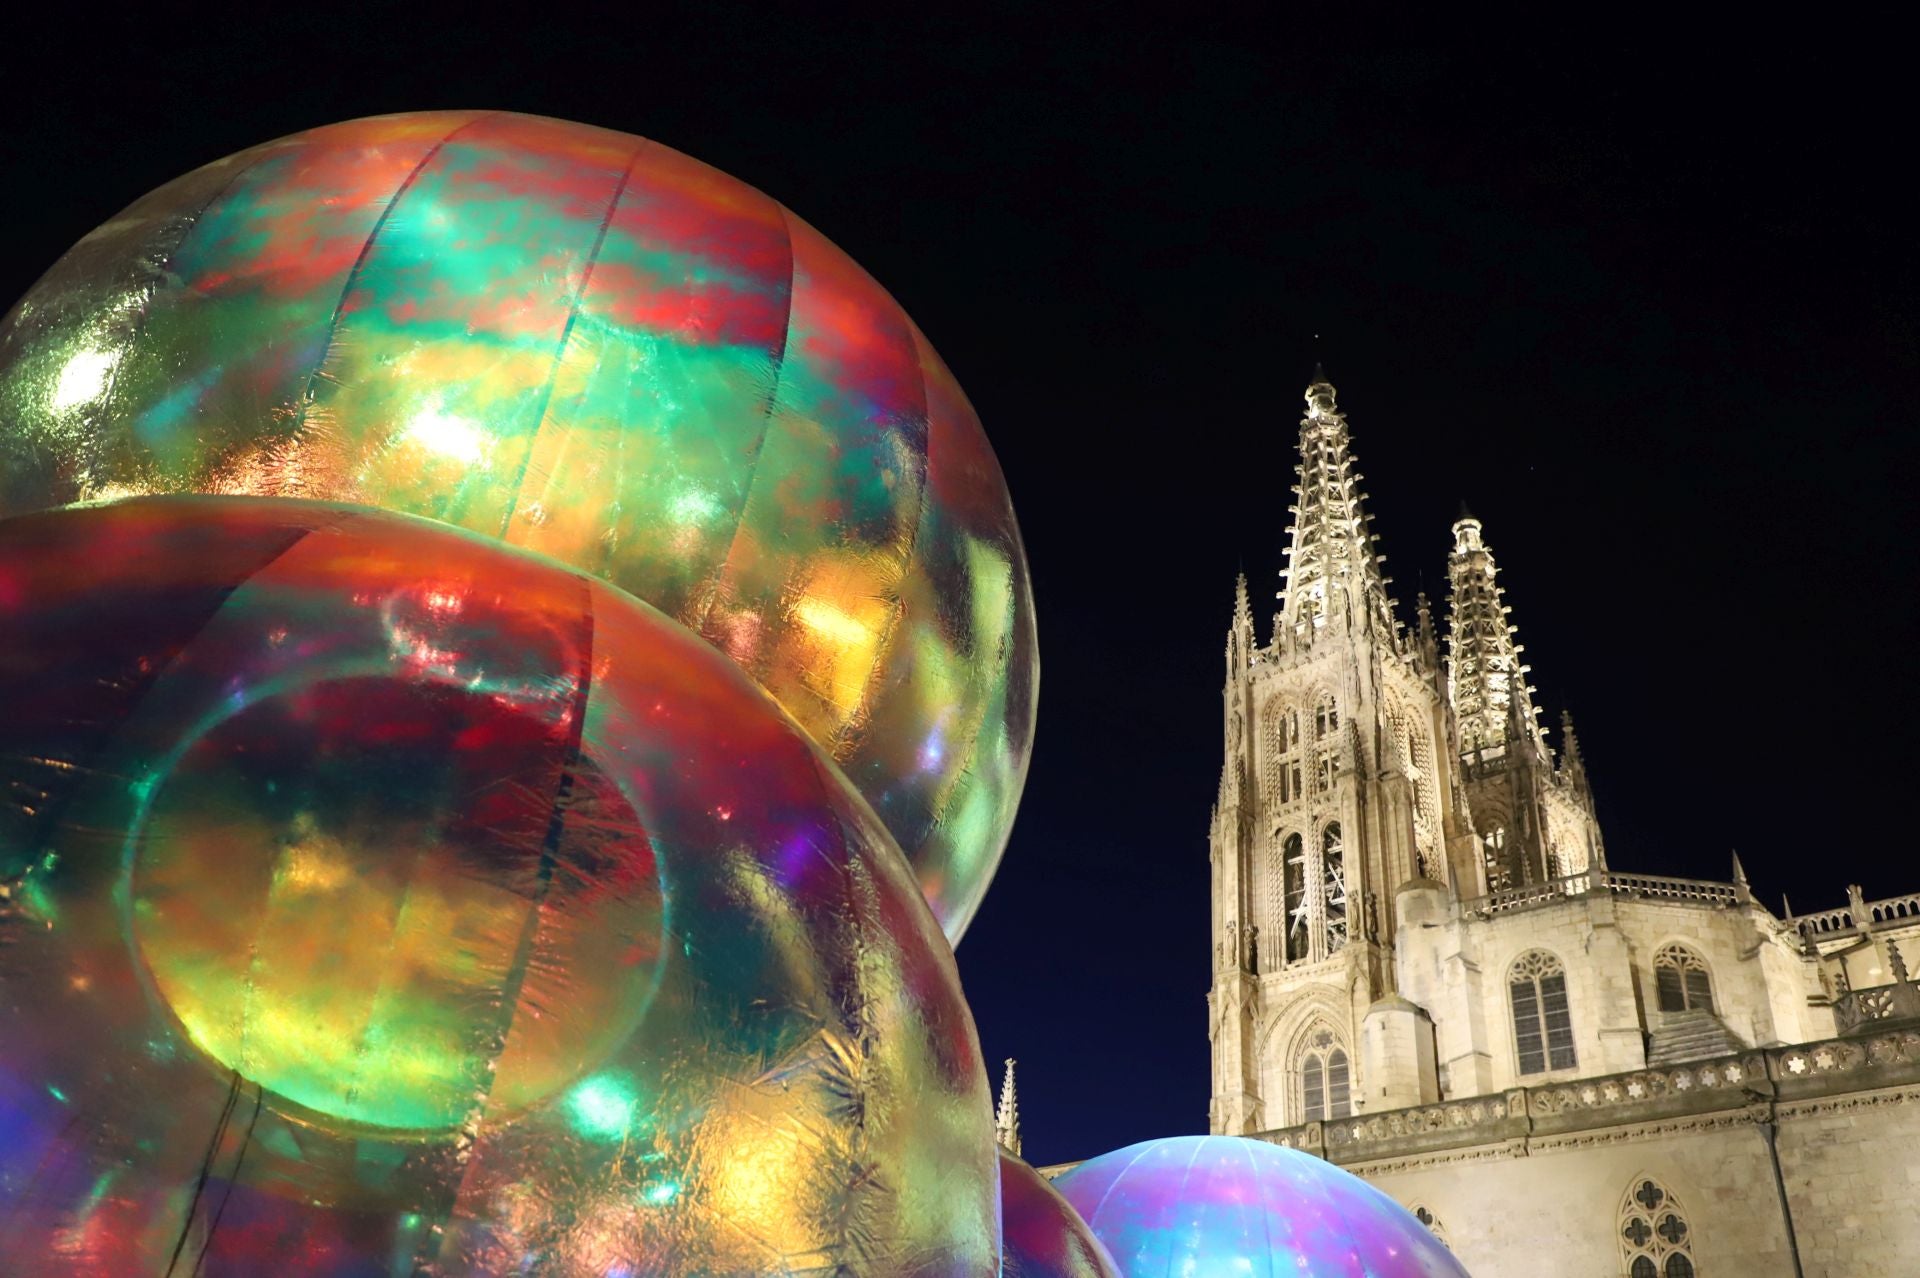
[1425, 969]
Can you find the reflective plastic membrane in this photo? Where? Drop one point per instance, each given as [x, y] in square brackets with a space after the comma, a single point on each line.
[1221, 1206]
[1041, 1236]
[378, 899]
[589, 345]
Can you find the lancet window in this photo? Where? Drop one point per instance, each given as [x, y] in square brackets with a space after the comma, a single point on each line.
[1333, 868]
[1293, 855]
[1326, 1088]
[1326, 771]
[1306, 896]
[1655, 1241]
[1506, 858]
[1282, 770]
[1680, 980]
[1542, 1023]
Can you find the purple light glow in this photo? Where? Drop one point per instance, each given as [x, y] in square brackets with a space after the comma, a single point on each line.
[1199, 1206]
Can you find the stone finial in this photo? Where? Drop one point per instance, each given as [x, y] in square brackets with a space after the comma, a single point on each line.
[1241, 637]
[1006, 1117]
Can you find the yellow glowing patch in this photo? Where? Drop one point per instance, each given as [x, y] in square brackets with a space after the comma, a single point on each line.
[448, 436]
[833, 623]
[846, 612]
[82, 379]
[766, 1181]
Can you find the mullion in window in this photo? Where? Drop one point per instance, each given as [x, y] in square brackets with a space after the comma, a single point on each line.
[1553, 1008]
[1314, 1088]
[1527, 1031]
[1699, 990]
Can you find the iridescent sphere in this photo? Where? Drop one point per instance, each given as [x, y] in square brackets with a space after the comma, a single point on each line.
[1040, 1235]
[1229, 1207]
[373, 895]
[589, 345]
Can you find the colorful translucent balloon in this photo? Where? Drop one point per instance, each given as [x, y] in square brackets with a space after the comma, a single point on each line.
[1040, 1235]
[589, 345]
[375, 896]
[1221, 1206]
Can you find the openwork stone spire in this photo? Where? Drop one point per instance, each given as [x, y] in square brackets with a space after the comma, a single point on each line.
[1485, 678]
[1006, 1118]
[1333, 565]
[1240, 633]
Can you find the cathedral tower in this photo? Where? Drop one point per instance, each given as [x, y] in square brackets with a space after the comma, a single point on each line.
[1338, 789]
[1535, 821]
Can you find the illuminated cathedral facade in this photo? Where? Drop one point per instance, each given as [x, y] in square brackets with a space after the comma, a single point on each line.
[1426, 969]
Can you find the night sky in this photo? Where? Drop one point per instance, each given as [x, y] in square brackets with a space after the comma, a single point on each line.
[1642, 299]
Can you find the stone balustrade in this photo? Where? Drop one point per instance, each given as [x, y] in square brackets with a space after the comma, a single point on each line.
[1743, 1085]
[1902, 909]
[1638, 886]
[1825, 923]
[1660, 886]
[1858, 1010]
[1892, 911]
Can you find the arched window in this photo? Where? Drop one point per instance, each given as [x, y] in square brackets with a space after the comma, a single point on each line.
[1542, 1025]
[1294, 863]
[1426, 1217]
[1680, 980]
[1281, 769]
[1326, 1089]
[1324, 771]
[1506, 853]
[1655, 1241]
[1333, 870]
[1326, 719]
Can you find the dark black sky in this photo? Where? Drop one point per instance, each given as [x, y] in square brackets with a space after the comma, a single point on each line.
[1643, 297]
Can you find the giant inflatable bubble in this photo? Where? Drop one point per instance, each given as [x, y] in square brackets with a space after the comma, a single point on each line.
[1230, 1207]
[1040, 1235]
[589, 345]
[375, 898]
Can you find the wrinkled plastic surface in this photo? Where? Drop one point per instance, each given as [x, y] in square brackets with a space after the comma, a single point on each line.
[1230, 1207]
[1041, 1236]
[376, 899]
[592, 346]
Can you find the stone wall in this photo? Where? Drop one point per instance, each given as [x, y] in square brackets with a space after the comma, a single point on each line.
[1766, 989]
[1533, 1179]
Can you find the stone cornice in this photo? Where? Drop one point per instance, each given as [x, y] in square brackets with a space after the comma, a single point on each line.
[1750, 1087]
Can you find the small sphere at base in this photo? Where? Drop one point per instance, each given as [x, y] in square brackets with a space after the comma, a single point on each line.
[1041, 1235]
[1232, 1207]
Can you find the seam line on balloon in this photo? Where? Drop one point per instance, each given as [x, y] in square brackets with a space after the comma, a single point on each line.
[173, 254]
[305, 405]
[206, 1168]
[566, 333]
[922, 513]
[556, 826]
[698, 624]
[233, 1179]
[1266, 1216]
[1186, 1174]
[1114, 1184]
